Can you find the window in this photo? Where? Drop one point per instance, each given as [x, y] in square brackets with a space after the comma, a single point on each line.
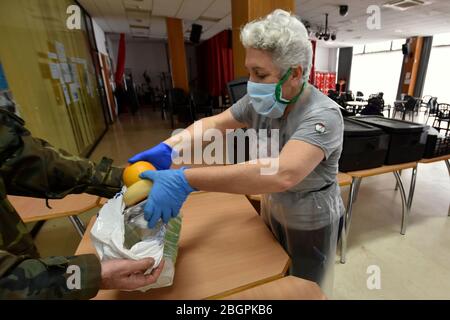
[397, 44]
[359, 49]
[378, 46]
[441, 39]
[436, 81]
[378, 69]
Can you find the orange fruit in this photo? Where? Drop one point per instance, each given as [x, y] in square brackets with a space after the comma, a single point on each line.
[132, 172]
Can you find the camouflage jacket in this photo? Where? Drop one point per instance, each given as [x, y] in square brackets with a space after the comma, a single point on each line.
[32, 167]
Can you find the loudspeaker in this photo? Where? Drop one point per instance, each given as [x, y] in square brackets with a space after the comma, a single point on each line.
[405, 49]
[196, 32]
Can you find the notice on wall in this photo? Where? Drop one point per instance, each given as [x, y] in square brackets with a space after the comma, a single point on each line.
[54, 70]
[408, 78]
[66, 94]
[66, 73]
[74, 92]
[60, 51]
[52, 56]
[74, 72]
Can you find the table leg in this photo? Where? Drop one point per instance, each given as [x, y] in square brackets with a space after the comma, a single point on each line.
[357, 186]
[447, 162]
[78, 224]
[396, 182]
[405, 214]
[348, 218]
[412, 188]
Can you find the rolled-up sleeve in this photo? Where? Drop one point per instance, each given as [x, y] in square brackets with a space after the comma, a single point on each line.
[324, 130]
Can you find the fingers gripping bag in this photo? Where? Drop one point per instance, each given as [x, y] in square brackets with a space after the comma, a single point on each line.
[121, 232]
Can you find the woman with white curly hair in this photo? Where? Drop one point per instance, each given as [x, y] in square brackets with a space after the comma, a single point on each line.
[301, 202]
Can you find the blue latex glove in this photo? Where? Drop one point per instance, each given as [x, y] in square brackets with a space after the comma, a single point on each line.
[170, 190]
[160, 156]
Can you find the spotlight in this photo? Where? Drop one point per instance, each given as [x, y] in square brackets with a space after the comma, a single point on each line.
[343, 10]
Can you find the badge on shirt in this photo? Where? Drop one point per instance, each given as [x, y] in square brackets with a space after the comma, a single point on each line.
[320, 128]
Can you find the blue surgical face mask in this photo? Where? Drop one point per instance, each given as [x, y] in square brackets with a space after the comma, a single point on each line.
[267, 98]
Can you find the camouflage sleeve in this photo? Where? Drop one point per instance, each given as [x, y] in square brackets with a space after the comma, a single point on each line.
[23, 275]
[32, 167]
[51, 278]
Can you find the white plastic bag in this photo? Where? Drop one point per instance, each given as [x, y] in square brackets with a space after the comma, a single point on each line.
[108, 236]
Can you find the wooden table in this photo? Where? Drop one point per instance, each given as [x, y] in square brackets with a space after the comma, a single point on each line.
[225, 248]
[35, 210]
[356, 105]
[354, 187]
[287, 288]
[446, 159]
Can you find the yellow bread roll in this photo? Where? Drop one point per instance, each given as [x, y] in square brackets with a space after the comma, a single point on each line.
[137, 192]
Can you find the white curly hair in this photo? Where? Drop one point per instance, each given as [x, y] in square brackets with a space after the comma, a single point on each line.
[284, 36]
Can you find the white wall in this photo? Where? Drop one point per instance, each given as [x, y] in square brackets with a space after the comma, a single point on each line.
[326, 59]
[99, 38]
[143, 56]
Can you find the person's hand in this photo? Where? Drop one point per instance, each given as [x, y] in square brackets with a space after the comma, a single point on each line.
[129, 274]
[170, 190]
[160, 156]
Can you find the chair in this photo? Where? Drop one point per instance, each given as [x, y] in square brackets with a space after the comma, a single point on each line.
[359, 96]
[375, 106]
[442, 115]
[425, 101]
[432, 108]
[179, 104]
[349, 96]
[237, 89]
[201, 104]
[409, 105]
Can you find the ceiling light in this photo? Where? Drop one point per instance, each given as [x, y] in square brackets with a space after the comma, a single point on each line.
[403, 5]
[326, 34]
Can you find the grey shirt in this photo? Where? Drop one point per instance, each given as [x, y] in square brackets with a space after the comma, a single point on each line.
[317, 120]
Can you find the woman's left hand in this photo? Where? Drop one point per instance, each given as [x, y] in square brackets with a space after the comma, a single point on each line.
[169, 192]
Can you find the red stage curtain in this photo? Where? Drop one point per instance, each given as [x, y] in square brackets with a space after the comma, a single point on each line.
[215, 62]
[312, 75]
[120, 61]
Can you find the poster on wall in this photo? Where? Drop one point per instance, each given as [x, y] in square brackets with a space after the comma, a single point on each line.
[54, 70]
[74, 72]
[60, 51]
[74, 92]
[52, 56]
[66, 94]
[66, 73]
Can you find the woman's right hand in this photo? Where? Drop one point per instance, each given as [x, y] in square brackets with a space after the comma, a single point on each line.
[160, 156]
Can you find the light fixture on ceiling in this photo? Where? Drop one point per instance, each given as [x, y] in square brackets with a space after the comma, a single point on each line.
[325, 35]
[343, 10]
[403, 5]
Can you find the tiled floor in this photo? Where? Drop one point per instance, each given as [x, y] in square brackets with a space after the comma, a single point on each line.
[414, 266]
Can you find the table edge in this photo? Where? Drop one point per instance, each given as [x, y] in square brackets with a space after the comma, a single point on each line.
[230, 292]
